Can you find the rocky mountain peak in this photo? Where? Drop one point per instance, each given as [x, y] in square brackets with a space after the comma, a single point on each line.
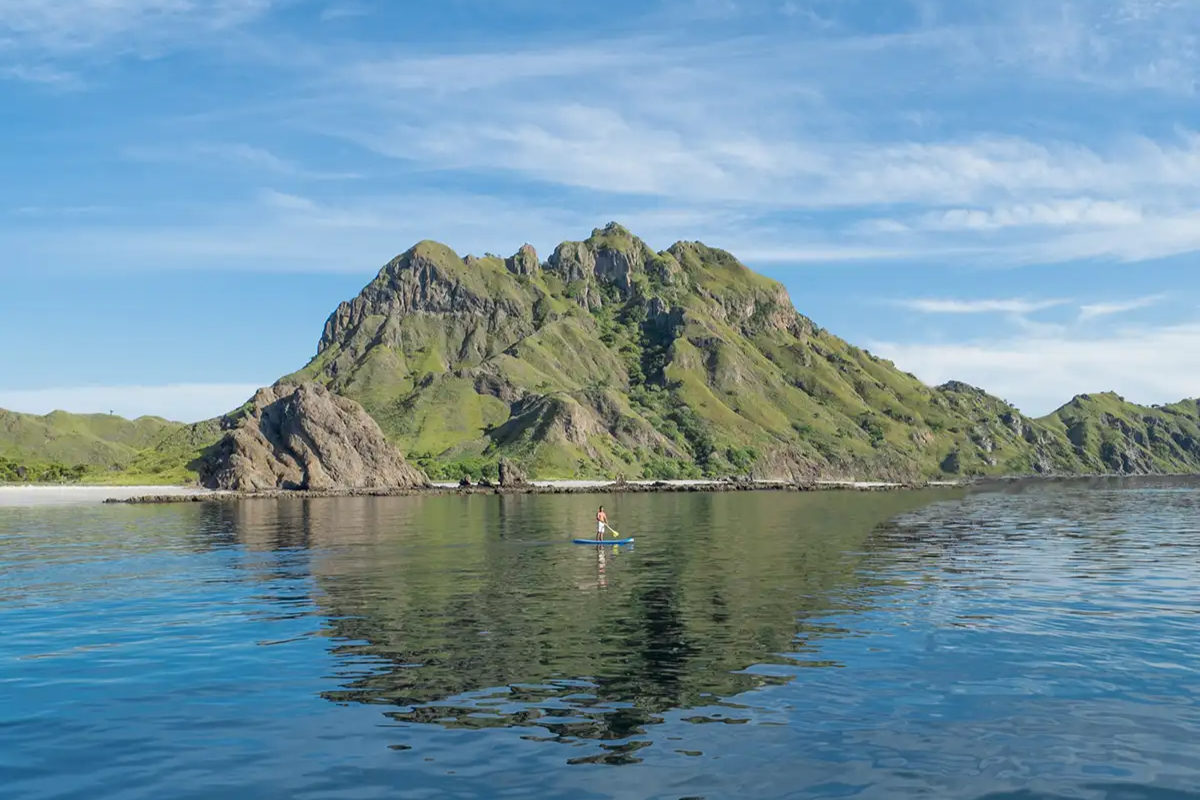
[611, 256]
[525, 262]
[428, 278]
[960, 387]
[613, 229]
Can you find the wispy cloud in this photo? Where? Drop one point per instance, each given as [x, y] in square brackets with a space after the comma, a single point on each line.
[235, 154]
[335, 12]
[985, 306]
[701, 118]
[52, 43]
[606, 149]
[1081, 212]
[72, 25]
[42, 74]
[1094, 310]
[745, 121]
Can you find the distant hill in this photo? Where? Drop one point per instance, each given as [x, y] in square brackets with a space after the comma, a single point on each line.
[46, 446]
[612, 359]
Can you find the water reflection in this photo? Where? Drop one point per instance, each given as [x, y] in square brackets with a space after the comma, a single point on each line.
[476, 613]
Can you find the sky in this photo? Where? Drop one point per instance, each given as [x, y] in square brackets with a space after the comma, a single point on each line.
[1003, 193]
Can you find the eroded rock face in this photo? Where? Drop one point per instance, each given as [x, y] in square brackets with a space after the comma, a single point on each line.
[525, 262]
[304, 437]
[511, 474]
[573, 261]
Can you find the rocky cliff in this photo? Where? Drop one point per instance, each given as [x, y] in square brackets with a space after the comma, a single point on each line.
[305, 437]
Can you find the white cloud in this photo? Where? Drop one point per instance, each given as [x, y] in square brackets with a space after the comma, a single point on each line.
[78, 24]
[289, 202]
[1094, 310]
[779, 249]
[749, 123]
[986, 306]
[704, 121]
[764, 123]
[1155, 237]
[235, 154]
[34, 34]
[178, 402]
[335, 12]
[462, 73]
[1039, 373]
[1055, 213]
[42, 74]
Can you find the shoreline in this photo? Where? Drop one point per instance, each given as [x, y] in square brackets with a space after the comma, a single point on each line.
[546, 487]
[541, 488]
[33, 495]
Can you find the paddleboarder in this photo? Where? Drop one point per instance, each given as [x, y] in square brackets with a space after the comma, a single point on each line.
[601, 523]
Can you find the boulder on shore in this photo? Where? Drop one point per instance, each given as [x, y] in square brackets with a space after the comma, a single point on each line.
[305, 437]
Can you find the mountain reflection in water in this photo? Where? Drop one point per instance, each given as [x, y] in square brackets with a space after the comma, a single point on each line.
[477, 612]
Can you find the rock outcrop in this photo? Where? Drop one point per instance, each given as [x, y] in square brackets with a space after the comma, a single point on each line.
[525, 262]
[511, 475]
[304, 437]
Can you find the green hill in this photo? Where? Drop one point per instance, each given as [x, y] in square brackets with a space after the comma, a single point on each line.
[59, 445]
[612, 359]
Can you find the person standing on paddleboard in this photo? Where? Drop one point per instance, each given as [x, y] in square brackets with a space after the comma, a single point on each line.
[601, 523]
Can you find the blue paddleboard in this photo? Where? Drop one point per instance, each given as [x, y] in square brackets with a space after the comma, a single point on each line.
[605, 541]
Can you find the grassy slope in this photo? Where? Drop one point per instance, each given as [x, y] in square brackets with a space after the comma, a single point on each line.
[101, 442]
[101, 449]
[1106, 433]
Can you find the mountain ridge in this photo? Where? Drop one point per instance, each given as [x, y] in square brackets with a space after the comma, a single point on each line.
[684, 356]
[610, 358]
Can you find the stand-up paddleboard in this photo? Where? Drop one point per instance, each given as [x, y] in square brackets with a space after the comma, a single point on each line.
[627, 540]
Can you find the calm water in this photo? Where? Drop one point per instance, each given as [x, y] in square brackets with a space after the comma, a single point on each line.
[1031, 643]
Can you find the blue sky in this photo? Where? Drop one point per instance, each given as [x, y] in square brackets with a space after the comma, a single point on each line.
[1007, 193]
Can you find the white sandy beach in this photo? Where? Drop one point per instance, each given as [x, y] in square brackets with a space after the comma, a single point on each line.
[81, 495]
[11, 496]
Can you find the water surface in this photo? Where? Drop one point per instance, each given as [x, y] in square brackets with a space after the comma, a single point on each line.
[1036, 642]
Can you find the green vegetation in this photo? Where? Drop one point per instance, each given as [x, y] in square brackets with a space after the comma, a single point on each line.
[95, 448]
[612, 359]
[101, 449]
[615, 359]
[13, 471]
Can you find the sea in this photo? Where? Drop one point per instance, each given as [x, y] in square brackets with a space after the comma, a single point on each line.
[1031, 640]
